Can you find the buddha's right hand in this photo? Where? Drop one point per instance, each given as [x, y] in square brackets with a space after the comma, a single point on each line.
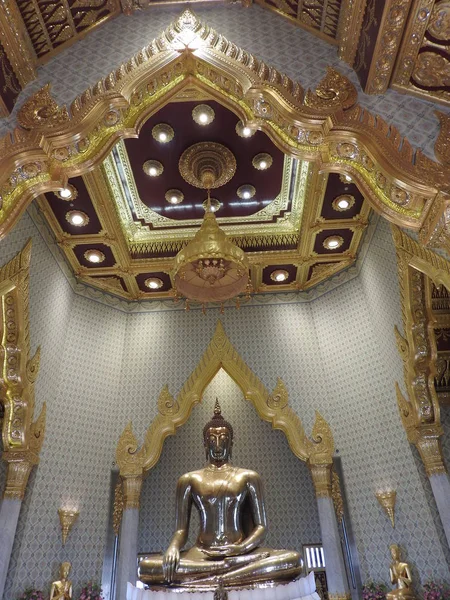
[171, 560]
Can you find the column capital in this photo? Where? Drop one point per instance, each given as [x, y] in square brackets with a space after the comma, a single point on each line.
[18, 471]
[132, 486]
[321, 476]
[428, 443]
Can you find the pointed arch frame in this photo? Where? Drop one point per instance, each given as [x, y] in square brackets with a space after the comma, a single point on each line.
[173, 413]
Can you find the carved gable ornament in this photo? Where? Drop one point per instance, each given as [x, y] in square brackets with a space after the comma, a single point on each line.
[173, 413]
[325, 126]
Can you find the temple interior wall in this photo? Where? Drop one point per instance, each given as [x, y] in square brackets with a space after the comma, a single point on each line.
[101, 368]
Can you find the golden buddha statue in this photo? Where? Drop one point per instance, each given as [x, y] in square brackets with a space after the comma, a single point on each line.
[226, 551]
[62, 590]
[400, 573]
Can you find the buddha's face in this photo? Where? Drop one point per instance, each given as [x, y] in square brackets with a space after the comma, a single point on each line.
[218, 444]
[395, 552]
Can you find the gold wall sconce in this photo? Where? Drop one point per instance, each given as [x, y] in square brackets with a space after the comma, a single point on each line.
[67, 518]
[387, 500]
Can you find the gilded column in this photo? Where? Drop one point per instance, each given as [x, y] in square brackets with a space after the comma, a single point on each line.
[19, 469]
[338, 587]
[22, 438]
[419, 407]
[128, 544]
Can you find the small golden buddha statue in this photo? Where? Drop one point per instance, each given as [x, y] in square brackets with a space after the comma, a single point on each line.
[228, 551]
[400, 573]
[62, 589]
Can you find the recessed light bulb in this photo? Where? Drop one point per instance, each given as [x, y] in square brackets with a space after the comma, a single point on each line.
[153, 285]
[163, 136]
[280, 277]
[246, 195]
[174, 199]
[152, 171]
[343, 204]
[94, 258]
[203, 117]
[246, 131]
[65, 193]
[77, 219]
[333, 243]
[263, 164]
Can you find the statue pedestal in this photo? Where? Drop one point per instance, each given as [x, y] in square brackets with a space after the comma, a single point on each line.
[300, 589]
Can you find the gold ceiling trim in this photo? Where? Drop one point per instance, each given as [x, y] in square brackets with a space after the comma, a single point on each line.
[140, 236]
[22, 438]
[419, 410]
[390, 175]
[14, 39]
[173, 413]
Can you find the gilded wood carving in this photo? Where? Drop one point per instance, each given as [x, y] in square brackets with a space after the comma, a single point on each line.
[324, 126]
[274, 408]
[419, 409]
[22, 438]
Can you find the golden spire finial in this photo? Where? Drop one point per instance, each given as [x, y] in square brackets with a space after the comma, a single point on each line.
[217, 409]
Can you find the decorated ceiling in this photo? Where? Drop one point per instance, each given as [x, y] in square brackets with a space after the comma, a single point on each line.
[121, 225]
[310, 164]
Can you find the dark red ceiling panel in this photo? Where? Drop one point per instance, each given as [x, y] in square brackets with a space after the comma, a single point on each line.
[81, 202]
[80, 249]
[337, 187]
[345, 234]
[187, 132]
[267, 271]
[165, 278]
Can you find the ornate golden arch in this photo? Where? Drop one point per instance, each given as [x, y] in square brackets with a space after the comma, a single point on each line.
[173, 413]
[326, 126]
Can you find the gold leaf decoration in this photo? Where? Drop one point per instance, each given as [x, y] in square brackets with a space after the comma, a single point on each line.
[334, 91]
[42, 111]
[167, 405]
[279, 397]
[129, 459]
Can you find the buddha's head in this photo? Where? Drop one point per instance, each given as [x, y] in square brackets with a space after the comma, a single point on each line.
[64, 570]
[218, 438]
[395, 551]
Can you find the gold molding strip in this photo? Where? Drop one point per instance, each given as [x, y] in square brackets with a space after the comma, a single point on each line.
[321, 127]
[22, 438]
[14, 38]
[173, 413]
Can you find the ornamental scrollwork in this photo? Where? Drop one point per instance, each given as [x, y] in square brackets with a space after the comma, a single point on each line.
[42, 111]
[167, 405]
[128, 457]
[321, 445]
[334, 91]
[279, 397]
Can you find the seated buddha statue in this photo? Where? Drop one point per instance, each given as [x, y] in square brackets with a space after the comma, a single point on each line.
[229, 549]
[62, 589]
[400, 573]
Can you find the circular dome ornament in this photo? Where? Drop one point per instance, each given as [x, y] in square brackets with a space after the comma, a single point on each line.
[207, 165]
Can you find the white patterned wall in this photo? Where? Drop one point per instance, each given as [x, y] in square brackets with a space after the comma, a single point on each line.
[299, 54]
[102, 367]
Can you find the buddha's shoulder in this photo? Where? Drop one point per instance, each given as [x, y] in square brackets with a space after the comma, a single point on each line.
[246, 473]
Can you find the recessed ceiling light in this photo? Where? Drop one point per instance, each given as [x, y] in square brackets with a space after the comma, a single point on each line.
[67, 193]
[94, 256]
[153, 168]
[203, 114]
[333, 242]
[163, 133]
[262, 161]
[246, 191]
[174, 196]
[279, 275]
[215, 204]
[343, 202]
[243, 130]
[77, 218]
[154, 283]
